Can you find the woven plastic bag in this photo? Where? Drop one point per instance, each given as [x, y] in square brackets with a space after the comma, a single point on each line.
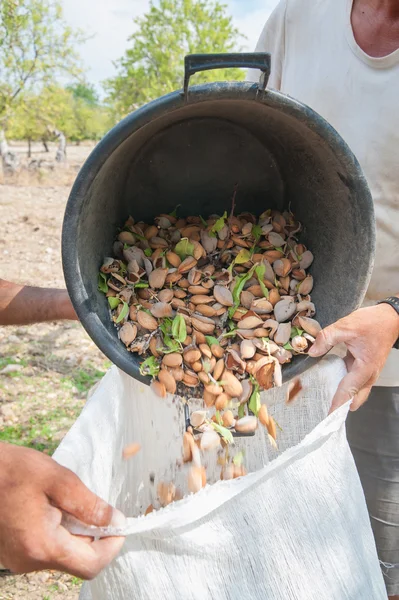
[295, 528]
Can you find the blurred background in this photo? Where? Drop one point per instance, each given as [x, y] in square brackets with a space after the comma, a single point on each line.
[70, 70]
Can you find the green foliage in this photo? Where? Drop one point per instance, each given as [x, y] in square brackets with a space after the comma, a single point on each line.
[153, 65]
[35, 45]
[36, 114]
[150, 367]
[85, 92]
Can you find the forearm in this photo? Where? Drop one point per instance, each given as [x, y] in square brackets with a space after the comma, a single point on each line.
[22, 305]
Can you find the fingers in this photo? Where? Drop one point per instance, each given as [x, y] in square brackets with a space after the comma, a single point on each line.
[326, 340]
[355, 385]
[83, 559]
[67, 492]
[361, 398]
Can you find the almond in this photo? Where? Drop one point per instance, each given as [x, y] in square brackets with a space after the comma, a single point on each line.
[128, 333]
[191, 355]
[173, 259]
[157, 278]
[147, 321]
[246, 424]
[161, 309]
[172, 360]
[168, 381]
[222, 401]
[223, 295]
[202, 299]
[231, 384]
[158, 388]
[131, 450]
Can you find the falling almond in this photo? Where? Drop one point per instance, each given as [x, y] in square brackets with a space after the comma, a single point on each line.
[263, 415]
[131, 450]
[293, 389]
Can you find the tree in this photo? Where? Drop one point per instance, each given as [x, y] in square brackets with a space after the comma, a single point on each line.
[35, 45]
[91, 118]
[153, 65]
[53, 108]
[84, 91]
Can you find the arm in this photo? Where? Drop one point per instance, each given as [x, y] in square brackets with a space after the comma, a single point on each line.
[21, 305]
[272, 39]
[369, 334]
[34, 490]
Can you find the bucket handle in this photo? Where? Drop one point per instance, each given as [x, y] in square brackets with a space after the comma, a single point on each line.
[194, 63]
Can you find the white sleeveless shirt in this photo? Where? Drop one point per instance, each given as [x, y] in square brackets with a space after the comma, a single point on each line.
[315, 59]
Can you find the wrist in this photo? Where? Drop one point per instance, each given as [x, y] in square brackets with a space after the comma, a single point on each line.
[63, 307]
[390, 311]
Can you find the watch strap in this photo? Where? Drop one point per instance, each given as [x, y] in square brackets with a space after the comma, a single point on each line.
[394, 302]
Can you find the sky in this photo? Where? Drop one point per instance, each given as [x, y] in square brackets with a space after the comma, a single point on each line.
[110, 22]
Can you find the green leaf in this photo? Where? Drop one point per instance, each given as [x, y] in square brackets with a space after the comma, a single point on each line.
[239, 286]
[123, 270]
[102, 283]
[113, 302]
[260, 272]
[205, 224]
[171, 346]
[210, 340]
[241, 411]
[239, 459]
[124, 312]
[218, 225]
[166, 326]
[184, 248]
[278, 248]
[218, 418]
[179, 330]
[288, 346]
[242, 257]
[141, 285]
[148, 252]
[254, 401]
[174, 212]
[229, 334]
[149, 367]
[295, 331]
[256, 233]
[225, 433]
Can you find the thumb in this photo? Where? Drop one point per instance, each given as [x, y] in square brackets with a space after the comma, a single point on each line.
[68, 493]
[326, 340]
[354, 386]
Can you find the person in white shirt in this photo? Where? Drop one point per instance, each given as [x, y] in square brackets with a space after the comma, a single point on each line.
[341, 58]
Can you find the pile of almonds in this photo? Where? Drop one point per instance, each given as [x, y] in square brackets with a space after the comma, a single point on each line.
[215, 307]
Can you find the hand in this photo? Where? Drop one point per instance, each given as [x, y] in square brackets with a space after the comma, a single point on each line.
[369, 334]
[33, 491]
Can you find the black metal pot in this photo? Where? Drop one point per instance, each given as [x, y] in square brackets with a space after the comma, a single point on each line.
[190, 148]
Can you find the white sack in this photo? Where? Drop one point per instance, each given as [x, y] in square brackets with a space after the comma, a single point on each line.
[295, 528]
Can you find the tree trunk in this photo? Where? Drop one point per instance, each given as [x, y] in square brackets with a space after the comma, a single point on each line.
[29, 148]
[44, 142]
[61, 150]
[9, 159]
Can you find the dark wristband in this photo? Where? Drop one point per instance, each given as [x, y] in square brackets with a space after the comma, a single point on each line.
[394, 302]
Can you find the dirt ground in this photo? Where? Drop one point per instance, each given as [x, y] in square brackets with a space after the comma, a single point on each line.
[45, 370]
